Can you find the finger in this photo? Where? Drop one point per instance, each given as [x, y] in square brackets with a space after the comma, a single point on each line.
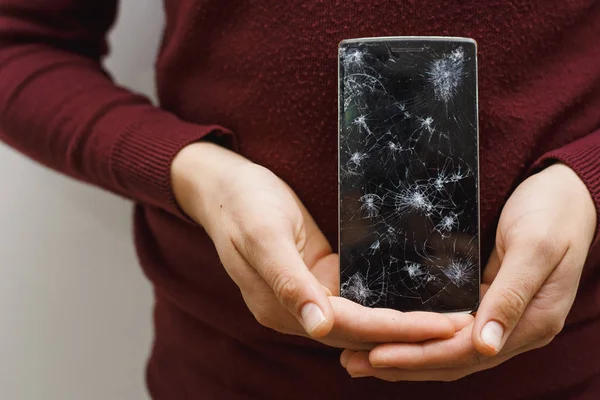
[355, 323]
[492, 267]
[356, 327]
[327, 271]
[316, 247]
[460, 320]
[358, 365]
[287, 271]
[263, 304]
[327, 291]
[345, 356]
[317, 253]
[258, 295]
[438, 357]
[457, 351]
[273, 254]
[524, 269]
[484, 288]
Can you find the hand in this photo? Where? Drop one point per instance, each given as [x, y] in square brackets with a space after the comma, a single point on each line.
[273, 250]
[530, 282]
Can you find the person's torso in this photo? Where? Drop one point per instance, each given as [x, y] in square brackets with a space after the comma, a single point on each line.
[267, 70]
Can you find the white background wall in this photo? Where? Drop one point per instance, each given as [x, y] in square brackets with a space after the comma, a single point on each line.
[75, 309]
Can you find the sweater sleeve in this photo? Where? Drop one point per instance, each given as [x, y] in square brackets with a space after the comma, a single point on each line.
[583, 157]
[59, 107]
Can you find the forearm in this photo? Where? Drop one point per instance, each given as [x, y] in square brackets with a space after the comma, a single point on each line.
[58, 106]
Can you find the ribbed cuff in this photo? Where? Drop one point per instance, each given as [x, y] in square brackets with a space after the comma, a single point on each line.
[583, 157]
[141, 158]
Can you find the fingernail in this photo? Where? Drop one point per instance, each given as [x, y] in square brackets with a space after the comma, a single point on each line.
[312, 316]
[491, 334]
[358, 376]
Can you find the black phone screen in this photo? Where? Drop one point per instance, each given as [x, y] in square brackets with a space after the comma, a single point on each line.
[408, 173]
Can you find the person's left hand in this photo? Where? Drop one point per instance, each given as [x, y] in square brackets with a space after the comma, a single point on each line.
[529, 285]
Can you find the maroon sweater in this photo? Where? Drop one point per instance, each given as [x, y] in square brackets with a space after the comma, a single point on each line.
[266, 71]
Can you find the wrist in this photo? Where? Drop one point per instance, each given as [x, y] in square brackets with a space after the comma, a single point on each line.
[198, 174]
[580, 197]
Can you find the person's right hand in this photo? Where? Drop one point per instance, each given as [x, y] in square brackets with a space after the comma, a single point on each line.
[278, 257]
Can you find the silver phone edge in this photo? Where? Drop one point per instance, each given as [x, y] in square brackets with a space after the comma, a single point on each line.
[418, 38]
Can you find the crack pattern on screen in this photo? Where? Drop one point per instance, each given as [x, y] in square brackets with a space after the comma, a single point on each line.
[408, 175]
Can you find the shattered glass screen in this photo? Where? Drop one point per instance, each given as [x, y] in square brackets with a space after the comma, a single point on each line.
[408, 155]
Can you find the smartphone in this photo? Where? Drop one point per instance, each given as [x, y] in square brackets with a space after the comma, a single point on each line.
[409, 173]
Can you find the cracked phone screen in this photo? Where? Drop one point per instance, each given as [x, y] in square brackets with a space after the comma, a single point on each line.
[408, 174]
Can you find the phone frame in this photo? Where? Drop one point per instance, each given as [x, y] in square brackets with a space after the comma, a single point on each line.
[417, 38]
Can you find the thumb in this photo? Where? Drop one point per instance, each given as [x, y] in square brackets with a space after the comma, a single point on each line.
[522, 271]
[278, 261]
